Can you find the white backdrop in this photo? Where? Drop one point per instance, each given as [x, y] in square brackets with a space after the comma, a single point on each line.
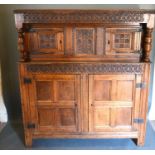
[3, 112]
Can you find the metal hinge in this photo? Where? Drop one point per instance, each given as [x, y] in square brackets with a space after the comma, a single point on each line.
[140, 85]
[27, 80]
[31, 126]
[138, 120]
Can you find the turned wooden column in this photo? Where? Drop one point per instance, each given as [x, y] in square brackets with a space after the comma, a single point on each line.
[21, 44]
[147, 44]
[23, 54]
[19, 19]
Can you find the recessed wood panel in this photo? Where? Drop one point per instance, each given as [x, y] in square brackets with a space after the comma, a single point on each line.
[101, 117]
[67, 116]
[84, 40]
[124, 90]
[44, 90]
[122, 116]
[47, 117]
[65, 90]
[102, 90]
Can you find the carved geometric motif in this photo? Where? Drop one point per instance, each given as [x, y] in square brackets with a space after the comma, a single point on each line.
[47, 40]
[122, 40]
[85, 17]
[86, 68]
[84, 41]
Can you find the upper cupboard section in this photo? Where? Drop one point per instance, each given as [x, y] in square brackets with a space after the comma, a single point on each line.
[83, 42]
[45, 41]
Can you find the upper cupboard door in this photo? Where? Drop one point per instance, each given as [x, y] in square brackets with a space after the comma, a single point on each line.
[45, 41]
[123, 41]
[88, 41]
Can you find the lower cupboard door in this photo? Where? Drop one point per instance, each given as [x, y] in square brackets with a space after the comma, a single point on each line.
[113, 102]
[55, 102]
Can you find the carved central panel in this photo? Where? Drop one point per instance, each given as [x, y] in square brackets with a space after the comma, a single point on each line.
[122, 40]
[84, 41]
[47, 40]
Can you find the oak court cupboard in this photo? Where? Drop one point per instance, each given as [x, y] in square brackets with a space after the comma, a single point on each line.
[84, 73]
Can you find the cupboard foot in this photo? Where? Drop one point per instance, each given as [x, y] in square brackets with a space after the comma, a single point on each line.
[139, 141]
[28, 139]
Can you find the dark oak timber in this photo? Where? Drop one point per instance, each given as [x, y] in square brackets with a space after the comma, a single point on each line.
[84, 73]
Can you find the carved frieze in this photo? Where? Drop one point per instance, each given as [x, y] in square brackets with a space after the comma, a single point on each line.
[86, 68]
[84, 40]
[82, 17]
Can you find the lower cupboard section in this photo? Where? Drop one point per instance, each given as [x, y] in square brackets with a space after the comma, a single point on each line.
[82, 105]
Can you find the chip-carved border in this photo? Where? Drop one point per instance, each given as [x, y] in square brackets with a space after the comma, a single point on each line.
[85, 68]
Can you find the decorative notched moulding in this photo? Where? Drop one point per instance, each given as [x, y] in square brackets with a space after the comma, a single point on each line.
[86, 68]
[83, 16]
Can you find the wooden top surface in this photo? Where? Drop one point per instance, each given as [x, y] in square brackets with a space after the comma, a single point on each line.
[139, 11]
